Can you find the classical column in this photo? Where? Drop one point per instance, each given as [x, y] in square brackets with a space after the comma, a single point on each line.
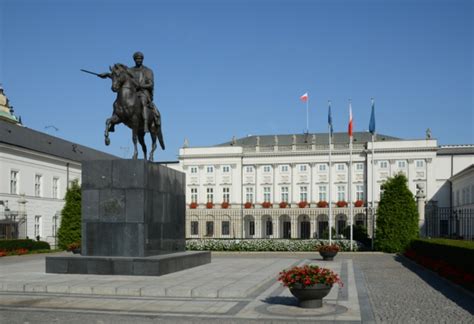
[420, 201]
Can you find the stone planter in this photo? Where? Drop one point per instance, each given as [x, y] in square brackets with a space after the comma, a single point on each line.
[328, 255]
[311, 296]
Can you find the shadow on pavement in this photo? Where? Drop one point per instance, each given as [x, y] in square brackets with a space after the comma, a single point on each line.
[281, 300]
[457, 295]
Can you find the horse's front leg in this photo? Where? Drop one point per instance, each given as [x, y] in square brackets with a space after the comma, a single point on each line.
[134, 139]
[106, 133]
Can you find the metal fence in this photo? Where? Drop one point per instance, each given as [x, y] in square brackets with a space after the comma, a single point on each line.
[449, 222]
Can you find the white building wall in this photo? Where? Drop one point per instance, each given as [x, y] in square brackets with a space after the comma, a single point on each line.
[28, 164]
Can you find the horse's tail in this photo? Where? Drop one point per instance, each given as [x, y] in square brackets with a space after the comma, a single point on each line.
[160, 137]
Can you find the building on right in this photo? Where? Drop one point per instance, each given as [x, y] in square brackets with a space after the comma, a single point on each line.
[279, 186]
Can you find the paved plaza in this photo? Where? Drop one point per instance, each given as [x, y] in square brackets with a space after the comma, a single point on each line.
[234, 288]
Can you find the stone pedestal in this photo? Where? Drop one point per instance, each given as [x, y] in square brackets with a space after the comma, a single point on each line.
[130, 209]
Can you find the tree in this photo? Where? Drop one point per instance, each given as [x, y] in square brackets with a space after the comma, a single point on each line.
[397, 216]
[70, 228]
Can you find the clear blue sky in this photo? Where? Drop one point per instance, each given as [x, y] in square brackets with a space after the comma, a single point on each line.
[225, 68]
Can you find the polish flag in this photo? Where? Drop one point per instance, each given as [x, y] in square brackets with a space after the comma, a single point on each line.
[350, 120]
[304, 97]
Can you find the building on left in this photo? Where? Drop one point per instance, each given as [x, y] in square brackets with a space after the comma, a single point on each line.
[35, 172]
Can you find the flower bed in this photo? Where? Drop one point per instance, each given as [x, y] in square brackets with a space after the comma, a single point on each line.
[265, 245]
[30, 245]
[449, 258]
[248, 205]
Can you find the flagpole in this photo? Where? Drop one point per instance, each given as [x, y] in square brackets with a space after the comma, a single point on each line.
[330, 184]
[350, 177]
[373, 184]
[307, 122]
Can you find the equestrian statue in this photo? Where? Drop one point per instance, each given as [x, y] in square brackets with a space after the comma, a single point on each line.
[134, 104]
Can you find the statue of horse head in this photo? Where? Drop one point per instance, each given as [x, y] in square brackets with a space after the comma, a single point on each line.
[119, 75]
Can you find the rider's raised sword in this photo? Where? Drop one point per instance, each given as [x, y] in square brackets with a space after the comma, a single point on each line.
[90, 72]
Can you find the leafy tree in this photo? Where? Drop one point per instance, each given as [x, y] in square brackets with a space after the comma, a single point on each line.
[359, 233]
[70, 228]
[397, 216]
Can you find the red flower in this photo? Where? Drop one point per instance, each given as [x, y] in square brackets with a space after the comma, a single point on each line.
[225, 205]
[302, 204]
[248, 205]
[193, 205]
[283, 204]
[209, 205]
[266, 204]
[308, 275]
[341, 203]
[359, 203]
[322, 204]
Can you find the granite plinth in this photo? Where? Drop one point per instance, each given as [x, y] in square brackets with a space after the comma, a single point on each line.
[129, 266]
[132, 208]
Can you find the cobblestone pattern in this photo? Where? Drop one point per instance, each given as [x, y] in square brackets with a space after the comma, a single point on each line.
[403, 292]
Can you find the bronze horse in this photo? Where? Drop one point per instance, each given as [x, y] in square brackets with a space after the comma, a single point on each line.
[128, 110]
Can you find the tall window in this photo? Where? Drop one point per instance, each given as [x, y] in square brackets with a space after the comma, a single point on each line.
[420, 163]
[322, 167]
[14, 182]
[284, 168]
[249, 194]
[340, 167]
[360, 166]
[267, 194]
[359, 192]
[303, 193]
[249, 169]
[303, 167]
[267, 169]
[383, 165]
[194, 227]
[54, 229]
[341, 193]
[226, 194]
[269, 227]
[194, 169]
[225, 227]
[284, 194]
[209, 228]
[402, 164]
[56, 188]
[210, 195]
[37, 226]
[194, 195]
[252, 227]
[323, 193]
[225, 169]
[210, 169]
[38, 185]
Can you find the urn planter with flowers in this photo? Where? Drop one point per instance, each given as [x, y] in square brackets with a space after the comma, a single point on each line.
[328, 251]
[74, 247]
[309, 284]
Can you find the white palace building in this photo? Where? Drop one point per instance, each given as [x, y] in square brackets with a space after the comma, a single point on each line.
[277, 186]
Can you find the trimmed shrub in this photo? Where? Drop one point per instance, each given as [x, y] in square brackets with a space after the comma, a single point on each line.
[30, 245]
[262, 245]
[397, 216]
[456, 253]
[325, 234]
[70, 228]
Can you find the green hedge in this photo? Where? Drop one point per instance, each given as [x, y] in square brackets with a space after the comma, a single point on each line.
[30, 245]
[456, 253]
[264, 245]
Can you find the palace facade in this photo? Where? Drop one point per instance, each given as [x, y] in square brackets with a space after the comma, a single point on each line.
[277, 186]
